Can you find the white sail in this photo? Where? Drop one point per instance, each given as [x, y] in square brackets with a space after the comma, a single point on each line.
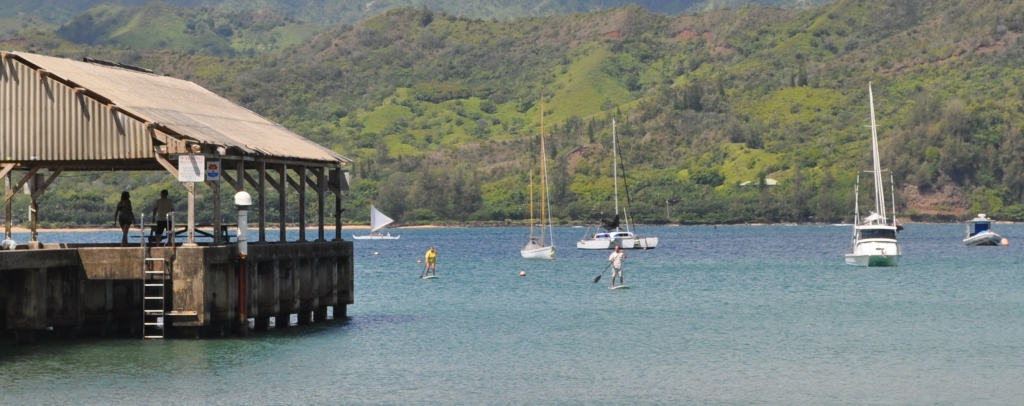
[378, 220]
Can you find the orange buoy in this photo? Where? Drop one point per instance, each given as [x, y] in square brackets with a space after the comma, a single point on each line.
[522, 273]
[1004, 242]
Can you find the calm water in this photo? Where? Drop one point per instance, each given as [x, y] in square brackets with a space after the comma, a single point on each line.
[733, 315]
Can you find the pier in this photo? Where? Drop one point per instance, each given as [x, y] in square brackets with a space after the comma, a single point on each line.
[89, 115]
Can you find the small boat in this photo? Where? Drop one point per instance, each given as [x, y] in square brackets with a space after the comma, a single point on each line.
[537, 247]
[874, 239]
[614, 236]
[979, 232]
[377, 221]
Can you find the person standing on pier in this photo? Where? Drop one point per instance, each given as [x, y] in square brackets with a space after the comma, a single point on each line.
[616, 260]
[124, 216]
[161, 209]
[431, 266]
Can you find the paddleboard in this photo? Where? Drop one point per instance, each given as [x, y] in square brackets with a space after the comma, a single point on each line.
[619, 287]
[430, 277]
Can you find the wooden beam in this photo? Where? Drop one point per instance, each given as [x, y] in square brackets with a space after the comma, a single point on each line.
[167, 165]
[235, 184]
[6, 168]
[42, 188]
[29, 175]
[172, 145]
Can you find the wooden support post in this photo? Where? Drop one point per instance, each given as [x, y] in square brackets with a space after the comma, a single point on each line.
[262, 323]
[301, 189]
[335, 187]
[215, 187]
[261, 188]
[309, 288]
[282, 192]
[321, 189]
[26, 303]
[289, 293]
[191, 187]
[268, 289]
[38, 191]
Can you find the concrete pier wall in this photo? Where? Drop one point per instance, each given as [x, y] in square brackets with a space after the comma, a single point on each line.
[90, 290]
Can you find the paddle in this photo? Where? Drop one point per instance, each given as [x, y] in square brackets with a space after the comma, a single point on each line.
[602, 273]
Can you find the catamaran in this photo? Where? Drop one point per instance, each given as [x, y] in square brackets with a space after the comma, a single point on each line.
[874, 239]
[614, 235]
[979, 232]
[377, 221]
[537, 247]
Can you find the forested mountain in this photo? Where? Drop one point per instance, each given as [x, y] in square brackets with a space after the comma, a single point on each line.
[441, 112]
[350, 11]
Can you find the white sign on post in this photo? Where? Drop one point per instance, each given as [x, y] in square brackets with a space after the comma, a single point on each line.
[191, 168]
[213, 171]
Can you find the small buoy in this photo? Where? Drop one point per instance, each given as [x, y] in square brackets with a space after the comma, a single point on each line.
[522, 273]
[1004, 242]
[376, 253]
[419, 260]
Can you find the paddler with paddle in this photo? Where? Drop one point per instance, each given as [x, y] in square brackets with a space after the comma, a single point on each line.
[616, 262]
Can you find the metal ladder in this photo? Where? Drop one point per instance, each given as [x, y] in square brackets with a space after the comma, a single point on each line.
[153, 297]
[154, 279]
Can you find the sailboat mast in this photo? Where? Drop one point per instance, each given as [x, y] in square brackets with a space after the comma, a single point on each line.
[879, 189]
[615, 168]
[531, 204]
[543, 171]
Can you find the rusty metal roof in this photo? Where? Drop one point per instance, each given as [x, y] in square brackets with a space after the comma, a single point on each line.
[181, 108]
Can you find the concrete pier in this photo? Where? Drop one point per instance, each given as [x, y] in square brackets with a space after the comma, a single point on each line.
[69, 290]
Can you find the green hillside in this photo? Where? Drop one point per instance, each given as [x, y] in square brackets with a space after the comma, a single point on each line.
[351, 11]
[158, 26]
[441, 113]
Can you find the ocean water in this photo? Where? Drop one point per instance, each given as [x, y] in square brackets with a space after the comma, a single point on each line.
[721, 316]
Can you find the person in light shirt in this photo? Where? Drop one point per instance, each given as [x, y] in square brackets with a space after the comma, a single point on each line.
[616, 260]
[162, 207]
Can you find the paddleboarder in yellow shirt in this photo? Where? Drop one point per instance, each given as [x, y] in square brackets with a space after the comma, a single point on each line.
[431, 258]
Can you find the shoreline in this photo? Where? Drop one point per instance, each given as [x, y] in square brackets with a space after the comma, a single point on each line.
[20, 229]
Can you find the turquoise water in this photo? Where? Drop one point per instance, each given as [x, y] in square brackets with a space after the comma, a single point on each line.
[733, 315]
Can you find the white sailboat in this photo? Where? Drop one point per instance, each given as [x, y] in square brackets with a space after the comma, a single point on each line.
[614, 235]
[377, 221]
[537, 247]
[979, 232]
[874, 239]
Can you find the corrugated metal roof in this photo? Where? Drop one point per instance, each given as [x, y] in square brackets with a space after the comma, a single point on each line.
[186, 109]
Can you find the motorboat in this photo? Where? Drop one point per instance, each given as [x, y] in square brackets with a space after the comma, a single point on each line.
[874, 238]
[979, 232]
[378, 221]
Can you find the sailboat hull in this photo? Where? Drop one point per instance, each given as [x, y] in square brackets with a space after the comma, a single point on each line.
[595, 244]
[376, 237]
[626, 240]
[638, 243]
[538, 253]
